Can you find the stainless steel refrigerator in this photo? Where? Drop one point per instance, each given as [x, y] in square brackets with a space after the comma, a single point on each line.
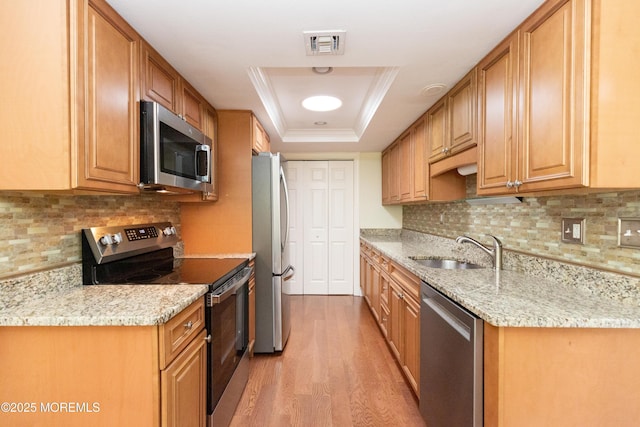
[270, 211]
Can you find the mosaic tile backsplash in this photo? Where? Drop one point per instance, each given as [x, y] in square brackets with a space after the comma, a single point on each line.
[41, 231]
[533, 227]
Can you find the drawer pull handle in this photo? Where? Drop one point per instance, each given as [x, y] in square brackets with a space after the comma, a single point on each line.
[188, 325]
[208, 338]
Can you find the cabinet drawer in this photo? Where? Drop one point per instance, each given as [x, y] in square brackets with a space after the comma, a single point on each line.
[408, 281]
[176, 334]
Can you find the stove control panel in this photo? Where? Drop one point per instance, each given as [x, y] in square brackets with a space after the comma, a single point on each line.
[117, 242]
[141, 233]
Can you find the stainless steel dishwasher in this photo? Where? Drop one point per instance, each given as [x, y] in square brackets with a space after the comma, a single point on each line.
[451, 362]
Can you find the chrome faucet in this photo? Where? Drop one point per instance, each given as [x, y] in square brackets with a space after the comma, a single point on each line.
[495, 253]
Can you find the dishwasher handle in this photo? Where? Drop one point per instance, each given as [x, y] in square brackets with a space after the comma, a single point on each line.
[449, 317]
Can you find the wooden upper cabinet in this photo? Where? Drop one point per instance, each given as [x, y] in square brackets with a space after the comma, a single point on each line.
[553, 125]
[547, 147]
[420, 164]
[437, 128]
[405, 171]
[260, 139]
[497, 74]
[393, 173]
[463, 113]
[386, 177]
[452, 120]
[192, 105]
[405, 167]
[108, 150]
[159, 81]
[82, 65]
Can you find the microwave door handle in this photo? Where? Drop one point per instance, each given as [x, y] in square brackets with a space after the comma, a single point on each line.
[203, 177]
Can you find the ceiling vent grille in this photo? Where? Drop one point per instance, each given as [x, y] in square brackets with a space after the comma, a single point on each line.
[324, 42]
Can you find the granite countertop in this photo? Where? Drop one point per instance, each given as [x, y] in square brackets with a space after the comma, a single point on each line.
[104, 305]
[514, 299]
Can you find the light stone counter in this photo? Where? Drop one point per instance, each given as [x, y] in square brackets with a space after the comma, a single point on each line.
[542, 294]
[54, 299]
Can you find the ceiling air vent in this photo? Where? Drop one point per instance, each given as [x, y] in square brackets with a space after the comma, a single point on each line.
[324, 42]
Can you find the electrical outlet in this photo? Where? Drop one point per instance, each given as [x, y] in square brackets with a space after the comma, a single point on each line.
[629, 232]
[573, 230]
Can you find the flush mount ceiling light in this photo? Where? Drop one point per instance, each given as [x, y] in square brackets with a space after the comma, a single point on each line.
[322, 103]
[434, 89]
[322, 70]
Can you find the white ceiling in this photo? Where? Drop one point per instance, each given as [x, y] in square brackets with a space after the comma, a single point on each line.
[244, 54]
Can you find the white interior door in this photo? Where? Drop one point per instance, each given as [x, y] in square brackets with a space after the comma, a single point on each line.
[293, 172]
[316, 228]
[321, 234]
[340, 228]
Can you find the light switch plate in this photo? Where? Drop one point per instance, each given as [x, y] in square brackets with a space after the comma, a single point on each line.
[573, 230]
[629, 232]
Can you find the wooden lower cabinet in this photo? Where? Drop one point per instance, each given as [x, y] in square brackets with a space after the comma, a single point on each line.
[392, 294]
[184, 387]
[561, 377]
[143, 376]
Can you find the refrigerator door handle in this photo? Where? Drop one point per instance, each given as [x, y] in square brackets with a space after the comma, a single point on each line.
[293, 272]
[286, 198]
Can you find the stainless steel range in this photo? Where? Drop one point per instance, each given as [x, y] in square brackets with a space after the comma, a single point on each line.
[143, 254]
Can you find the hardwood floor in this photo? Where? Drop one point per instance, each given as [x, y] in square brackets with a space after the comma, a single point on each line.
[335, 370]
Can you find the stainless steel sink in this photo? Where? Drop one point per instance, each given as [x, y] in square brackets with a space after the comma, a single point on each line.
[447, 264]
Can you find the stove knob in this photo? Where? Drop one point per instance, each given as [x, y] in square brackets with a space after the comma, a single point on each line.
[117, 238]
[168, 231]
[106, 240]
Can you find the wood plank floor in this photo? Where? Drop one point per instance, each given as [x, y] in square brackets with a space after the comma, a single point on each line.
[335, 370]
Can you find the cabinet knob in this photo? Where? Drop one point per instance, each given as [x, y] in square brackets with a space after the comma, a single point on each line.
[509, 184]
[208, 338]
[188, 325]
[517, 183]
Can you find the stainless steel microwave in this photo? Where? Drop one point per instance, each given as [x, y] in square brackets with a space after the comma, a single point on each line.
[175, 157]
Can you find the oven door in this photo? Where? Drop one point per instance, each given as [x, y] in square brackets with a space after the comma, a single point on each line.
[227, 320]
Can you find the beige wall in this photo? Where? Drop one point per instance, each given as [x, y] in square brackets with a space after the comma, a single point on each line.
[533, 227]
[40, 231]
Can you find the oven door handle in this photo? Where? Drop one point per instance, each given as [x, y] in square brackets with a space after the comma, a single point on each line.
[218, 297]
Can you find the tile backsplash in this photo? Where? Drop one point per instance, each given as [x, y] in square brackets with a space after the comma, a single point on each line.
[533, 227]
[41, 231]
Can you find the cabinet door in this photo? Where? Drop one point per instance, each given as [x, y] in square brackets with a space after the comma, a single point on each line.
[260, 138]
[420, 164]
[438, 140]
[386, 177]
[394, 324]
[159, 81]
[497, 77]
[109, 145]
[411, 355]
[192, 106]
[184, 387]
[375, 292]
[462, 109]
[394, 180]
[405, 167]
[553, 141]
[363, 270]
